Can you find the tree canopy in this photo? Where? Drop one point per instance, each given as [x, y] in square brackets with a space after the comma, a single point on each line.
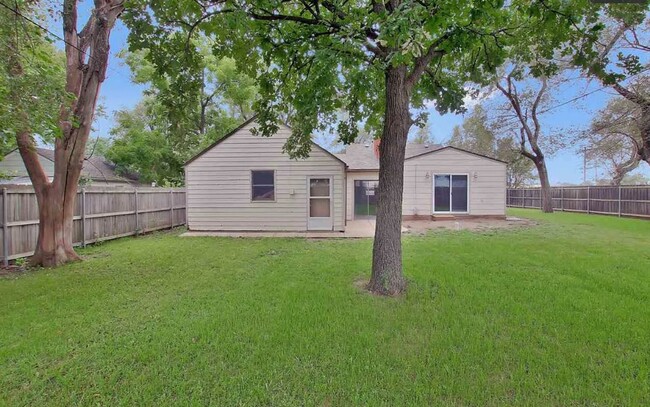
[32, 79]
[181, 113]
[614, 138]
[313, 59]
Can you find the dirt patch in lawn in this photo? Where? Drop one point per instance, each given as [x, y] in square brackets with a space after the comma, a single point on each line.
[419, 227]
[12, 270]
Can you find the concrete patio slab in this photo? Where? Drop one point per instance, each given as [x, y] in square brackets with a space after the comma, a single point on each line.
[366, 228]
[354, 229]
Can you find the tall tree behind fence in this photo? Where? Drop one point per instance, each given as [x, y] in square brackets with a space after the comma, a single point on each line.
[626, 200]
[101, 213]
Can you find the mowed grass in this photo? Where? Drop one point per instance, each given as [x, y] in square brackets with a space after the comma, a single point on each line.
[556, 314]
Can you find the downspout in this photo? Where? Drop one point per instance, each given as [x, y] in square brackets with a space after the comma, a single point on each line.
[415, 190]
[345, 197]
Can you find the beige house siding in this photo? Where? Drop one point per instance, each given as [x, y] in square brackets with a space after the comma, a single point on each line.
[218, 185]
[487, 182]
[487, 192]
[354, 176]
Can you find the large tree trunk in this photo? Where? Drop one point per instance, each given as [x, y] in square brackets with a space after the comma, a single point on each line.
[547, 193]
[621, 170]
[87, 55]
[644, 124]
[55, 238]
[644, 149]
[387, 277]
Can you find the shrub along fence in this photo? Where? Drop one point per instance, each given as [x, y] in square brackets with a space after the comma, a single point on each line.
[626, 200]
[101, 213]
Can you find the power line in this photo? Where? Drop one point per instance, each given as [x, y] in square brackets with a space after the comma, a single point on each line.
[18, 13]
[573, 100]
[514, 119]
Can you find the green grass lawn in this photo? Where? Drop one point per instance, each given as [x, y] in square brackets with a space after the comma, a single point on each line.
[557, 314]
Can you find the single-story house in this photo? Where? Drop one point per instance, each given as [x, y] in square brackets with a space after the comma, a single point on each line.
[96, 170]
[245, 182]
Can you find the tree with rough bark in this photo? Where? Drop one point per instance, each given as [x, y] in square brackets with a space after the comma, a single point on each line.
[619, 59]
[477, 134]
[379, 61]
[614, 138]
[582, 34]
[86, 61]
[525, 106]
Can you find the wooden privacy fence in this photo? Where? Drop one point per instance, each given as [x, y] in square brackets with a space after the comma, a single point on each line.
[626, 200]
[101, 213]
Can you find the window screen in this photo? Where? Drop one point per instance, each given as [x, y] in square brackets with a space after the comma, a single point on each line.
[263, 185]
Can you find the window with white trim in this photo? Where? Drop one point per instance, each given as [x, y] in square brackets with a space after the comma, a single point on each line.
[263, 185]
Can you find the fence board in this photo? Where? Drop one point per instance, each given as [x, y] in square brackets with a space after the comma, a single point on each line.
[101, 213]
[626, 200]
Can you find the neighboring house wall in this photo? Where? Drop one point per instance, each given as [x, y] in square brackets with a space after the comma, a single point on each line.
[218, 185]
[354, 176]
[487, 191]
[13, 165]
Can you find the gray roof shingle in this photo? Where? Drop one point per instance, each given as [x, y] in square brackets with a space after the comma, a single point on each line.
[362, 157]
[96, 168]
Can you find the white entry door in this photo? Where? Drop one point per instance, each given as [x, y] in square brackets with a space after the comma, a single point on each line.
[320, 204]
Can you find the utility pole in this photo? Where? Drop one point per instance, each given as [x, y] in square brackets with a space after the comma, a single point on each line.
[584, 165]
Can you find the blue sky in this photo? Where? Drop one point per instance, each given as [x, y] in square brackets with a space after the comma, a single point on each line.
[118, 92]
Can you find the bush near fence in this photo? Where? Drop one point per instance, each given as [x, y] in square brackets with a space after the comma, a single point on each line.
[101, 213]
[626, 200]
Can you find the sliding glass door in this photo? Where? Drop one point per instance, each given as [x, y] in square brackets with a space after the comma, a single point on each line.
[450, 193]
[365, 199]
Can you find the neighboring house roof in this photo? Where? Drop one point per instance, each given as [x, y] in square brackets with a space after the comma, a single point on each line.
[361, 157]
[241, 126]
[95, 168]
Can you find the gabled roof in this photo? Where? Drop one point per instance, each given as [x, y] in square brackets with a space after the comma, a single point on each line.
[360, 157]
[241, 126]
[458, 149]
[96, 168]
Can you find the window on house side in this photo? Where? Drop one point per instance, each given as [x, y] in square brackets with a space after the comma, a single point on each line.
[263, 185]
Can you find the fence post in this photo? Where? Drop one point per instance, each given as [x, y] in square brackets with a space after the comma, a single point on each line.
[137, 218]
[5, 236]
[83, 217]
[171, 207]
[588, 199]
[562, 199]
[619, 201]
